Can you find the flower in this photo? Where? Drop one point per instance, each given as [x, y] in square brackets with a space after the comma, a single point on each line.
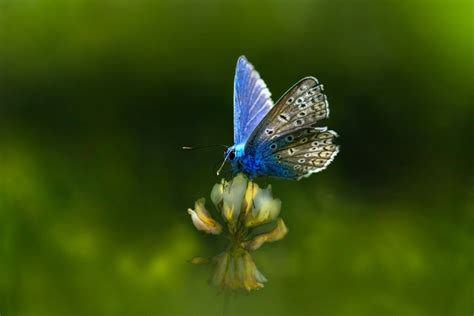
[250, 218]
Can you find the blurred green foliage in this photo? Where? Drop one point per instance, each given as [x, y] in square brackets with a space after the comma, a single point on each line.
[97, 97]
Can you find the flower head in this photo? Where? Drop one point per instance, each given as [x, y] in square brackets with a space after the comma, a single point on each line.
[250, 217]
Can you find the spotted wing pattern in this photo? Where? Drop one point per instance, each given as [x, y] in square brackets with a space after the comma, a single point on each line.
[300, 107]
[302, 152]
[252, 100]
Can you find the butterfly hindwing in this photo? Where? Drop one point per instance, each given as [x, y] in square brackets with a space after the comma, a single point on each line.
[301, 153]
[252, 100]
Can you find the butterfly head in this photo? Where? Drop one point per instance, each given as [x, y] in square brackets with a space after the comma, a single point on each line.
[235, 152]
[232, 154]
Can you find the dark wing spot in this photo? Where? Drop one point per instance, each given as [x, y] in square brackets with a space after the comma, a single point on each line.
[283, 117]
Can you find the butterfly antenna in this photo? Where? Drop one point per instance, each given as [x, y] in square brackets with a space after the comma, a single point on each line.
[202, 147]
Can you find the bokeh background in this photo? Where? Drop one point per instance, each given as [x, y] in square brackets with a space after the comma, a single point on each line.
[97, 98]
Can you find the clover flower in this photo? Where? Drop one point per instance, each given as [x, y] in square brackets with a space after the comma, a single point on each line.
[248, 217]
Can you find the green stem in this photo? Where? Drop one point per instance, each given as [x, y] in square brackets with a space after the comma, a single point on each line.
[226, 306]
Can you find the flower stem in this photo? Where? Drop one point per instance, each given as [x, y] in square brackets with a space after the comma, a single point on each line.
[226, 306]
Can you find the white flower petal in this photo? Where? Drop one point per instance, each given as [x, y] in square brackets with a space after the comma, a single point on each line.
[265, 209]
[233, 197]
[217, 193]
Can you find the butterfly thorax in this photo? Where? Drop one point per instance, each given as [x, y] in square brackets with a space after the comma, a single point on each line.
[251, 165]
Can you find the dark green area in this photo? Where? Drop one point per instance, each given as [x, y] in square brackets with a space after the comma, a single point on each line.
[97, 97]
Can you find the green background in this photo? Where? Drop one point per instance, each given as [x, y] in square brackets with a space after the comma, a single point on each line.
[97, 97]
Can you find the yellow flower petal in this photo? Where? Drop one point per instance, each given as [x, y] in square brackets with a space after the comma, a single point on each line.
[251, 278]
[235, 269]
[202, 220]
[276, 234]
[252, 190]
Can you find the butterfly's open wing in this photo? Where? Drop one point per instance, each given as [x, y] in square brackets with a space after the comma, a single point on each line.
[288, 141]
[251, 100]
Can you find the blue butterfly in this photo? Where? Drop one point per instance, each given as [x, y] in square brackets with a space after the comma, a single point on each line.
[280, 140]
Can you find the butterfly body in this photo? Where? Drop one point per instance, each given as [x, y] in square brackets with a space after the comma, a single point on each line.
[253, 165]
[280, 140]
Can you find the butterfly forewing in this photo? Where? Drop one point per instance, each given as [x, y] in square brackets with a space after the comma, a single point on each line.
[301, 107]
[251, 100]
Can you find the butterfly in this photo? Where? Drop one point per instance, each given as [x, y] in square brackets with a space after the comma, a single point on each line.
[278, 140]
